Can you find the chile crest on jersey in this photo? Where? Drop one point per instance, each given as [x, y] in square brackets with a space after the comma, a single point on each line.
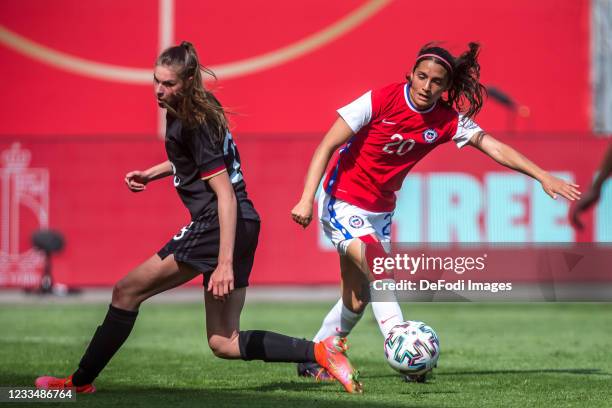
[430, 135]
[397, 120]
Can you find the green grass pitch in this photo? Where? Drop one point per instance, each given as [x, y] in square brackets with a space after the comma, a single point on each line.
[493, 355]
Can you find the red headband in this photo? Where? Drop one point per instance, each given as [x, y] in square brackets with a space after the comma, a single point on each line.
[445, 62]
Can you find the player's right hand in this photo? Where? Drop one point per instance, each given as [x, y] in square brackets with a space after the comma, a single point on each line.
[302, 213]
[136, 181]
[221, 282]
[554, 186]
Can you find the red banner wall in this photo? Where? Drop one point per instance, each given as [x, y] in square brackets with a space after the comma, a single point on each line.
[77, 97]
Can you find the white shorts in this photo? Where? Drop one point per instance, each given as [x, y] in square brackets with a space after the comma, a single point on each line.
[343, 222]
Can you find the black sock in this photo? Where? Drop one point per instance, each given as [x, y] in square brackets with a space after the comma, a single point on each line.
[107, 339]
[274, 347]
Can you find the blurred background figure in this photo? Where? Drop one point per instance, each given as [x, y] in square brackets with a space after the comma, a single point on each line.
[591, 197]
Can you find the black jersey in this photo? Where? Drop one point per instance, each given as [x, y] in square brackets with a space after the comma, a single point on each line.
[194, 157]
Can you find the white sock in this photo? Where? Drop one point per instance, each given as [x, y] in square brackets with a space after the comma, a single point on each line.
[387, 314]
[338, 322]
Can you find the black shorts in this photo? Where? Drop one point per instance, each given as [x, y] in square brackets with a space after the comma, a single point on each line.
[197, 245]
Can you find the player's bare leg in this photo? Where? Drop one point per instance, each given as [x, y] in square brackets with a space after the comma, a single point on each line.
[149, 278]
[387, 313]
[227, 341]
[354, 286]
[223, 323]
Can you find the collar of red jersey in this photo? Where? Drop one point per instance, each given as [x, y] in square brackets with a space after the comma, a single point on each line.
[412, 107]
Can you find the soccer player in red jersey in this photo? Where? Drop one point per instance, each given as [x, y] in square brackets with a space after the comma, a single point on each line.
[384, 133]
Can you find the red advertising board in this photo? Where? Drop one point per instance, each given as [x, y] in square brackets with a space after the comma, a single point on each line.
[78, 189]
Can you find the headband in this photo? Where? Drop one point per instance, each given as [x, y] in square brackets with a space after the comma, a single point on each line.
[445, 62]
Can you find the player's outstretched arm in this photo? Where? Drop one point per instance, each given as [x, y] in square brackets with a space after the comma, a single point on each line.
[592, 196]
[507, 156]
[137, 180]
[338, 134]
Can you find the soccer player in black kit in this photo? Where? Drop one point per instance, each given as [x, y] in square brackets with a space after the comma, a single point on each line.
[219, 242]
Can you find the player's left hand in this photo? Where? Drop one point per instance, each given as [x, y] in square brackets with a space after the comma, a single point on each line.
[221, 282]
[554, 186]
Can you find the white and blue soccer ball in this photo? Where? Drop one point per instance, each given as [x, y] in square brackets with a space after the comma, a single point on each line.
[412, 348]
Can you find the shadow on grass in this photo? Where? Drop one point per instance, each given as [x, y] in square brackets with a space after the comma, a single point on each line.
[276, 394]
[331, 387]
[577, 371]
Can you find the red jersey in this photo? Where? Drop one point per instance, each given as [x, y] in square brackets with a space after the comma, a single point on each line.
[391, 136]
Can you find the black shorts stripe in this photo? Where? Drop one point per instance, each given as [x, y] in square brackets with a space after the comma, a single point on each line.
[191, 240]
[199, 233]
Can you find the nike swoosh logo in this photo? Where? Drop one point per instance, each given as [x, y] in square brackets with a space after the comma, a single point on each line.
[386, 122]
[386, 320]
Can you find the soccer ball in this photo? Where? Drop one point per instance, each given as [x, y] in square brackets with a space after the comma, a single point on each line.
[412, 348]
